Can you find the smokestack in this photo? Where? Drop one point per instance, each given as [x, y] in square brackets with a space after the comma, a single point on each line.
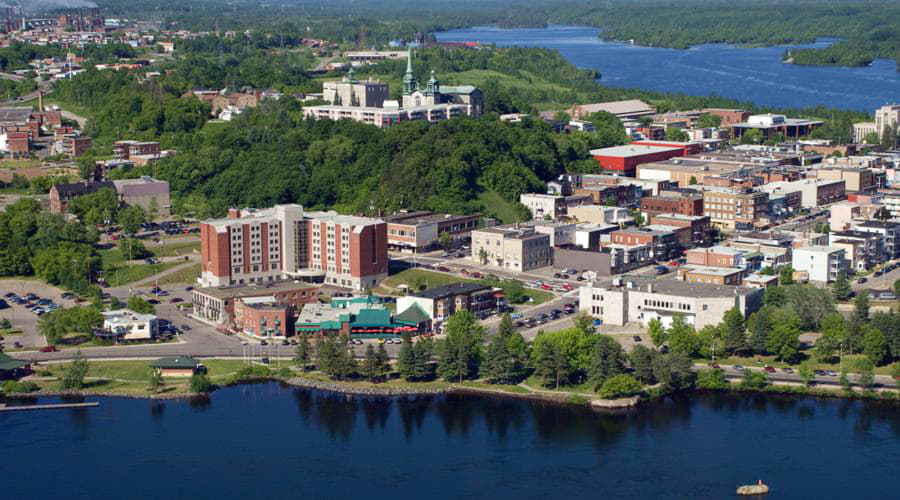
[40, 101]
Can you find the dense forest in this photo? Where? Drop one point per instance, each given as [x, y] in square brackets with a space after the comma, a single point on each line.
[866, 28]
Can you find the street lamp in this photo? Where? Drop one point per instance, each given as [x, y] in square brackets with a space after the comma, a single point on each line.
[841, 344]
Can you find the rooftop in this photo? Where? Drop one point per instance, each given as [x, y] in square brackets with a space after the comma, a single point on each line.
[257, 290]
[630, 151]
[712, 271]
[452, 289]
[677, 288]
[175, 362]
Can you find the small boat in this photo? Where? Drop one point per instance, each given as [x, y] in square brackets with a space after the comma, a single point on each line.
[753, 489]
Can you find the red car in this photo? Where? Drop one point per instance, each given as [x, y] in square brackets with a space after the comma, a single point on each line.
[769, 369]
[476, 274]
[49, 348]
[545, 286]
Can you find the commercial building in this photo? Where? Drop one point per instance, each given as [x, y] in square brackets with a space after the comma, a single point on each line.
[513, 247]
[616, 195]
[631, 109]
[814, 192]
[673, 202]
[124, 150]
[735, 209]
[887, 116]
[599, 214]
[177, 366]
[729, 116]
[711, 275]
[61, 194]
[442, 302]
[360, 317]
[129, 325]
[551, 205]
[663, 241]
[855, 179]
[217, 305]
[145, 192]
[421, 231]
[640, 300]
[822, 263]
[257, 246]
[720, 256]
[700, 227]
[264, 317]
[770, 124]
[625, 159]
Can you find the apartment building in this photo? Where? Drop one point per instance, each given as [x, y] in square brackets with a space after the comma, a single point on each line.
[258, 246]
[663, 241]
[421, 231]
[813, 192]
[552, 206]
[264, 317]
[862, 249]
[700, 227]
[887, 116]
[735, 209]
[889, 231]
[822, 263]
[640, 300]
[599, 214]
[513, 247]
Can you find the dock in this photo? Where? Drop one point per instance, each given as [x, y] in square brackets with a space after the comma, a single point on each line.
[57, 406]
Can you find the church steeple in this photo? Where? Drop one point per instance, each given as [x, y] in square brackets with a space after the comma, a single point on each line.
[433, 87]
[410, 84]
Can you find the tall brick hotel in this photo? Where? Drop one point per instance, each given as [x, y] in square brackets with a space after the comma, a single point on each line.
[284, 242]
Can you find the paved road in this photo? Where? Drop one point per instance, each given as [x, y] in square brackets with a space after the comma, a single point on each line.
[781, 376]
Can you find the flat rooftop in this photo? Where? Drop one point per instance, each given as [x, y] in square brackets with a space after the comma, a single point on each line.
[274, 287]
[677, 288]
[630, 151]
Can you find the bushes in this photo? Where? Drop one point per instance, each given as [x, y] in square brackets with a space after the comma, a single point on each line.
[712, 379]
[13, 387]
[620, 386]
[200, 383]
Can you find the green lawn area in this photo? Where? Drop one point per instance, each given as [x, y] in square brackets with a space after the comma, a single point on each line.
[397, 383]
[118, 272]
[52, 99]
[538, 296]
[14, 164]
[536, 382]
[430, 279]
[11, 331]
[172, 248]
[759, 361]
[496, 206]
[186, 276]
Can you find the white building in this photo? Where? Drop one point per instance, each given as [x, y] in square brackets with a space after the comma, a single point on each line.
[131, 325]
[642, 299]
[821, 263]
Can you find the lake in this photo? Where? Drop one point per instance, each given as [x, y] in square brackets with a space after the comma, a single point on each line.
[273, 441]
[748, 74]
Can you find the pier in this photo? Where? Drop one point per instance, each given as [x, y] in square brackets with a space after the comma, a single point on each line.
[58, 406]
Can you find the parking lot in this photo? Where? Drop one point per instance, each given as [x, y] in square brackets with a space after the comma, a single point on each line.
[20, 316]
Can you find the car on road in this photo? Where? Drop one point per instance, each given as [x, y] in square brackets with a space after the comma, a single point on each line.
[738, 368]
[713, 364]
[357, 341]
[531, 322]
[787, 369]
[519, 324]
[557, 275]
[443, 269]
[185, 327]
[152, 301]
[476, 275]
[636, 338]
[49, 348]
[862, 280]
[515, 316]
[820, 373]
[175, 300]
[831, 373]
[769, 369]
[662, 269]
[878, 273]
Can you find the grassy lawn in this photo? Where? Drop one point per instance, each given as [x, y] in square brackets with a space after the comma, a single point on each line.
[515, 389]
[760, 361]
[118, 272]
[397, 383]
[11, 331]
[186, 276]
[538, 296]
[496, 206]
[172, 249]
[52, 99]
[537, 383]
[431, 279]
[14, 164]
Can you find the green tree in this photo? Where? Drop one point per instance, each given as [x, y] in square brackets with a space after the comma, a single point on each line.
[707, 120]
[841, 287]
[897, 288]
[673, 370]
[712, 379]
[861, 307]
[74, 374]
[833, 336]
[506, 356]
[784, 340]
[370, 368]
[303, 353]
[406, 359]
[657, 332]
[754, 380]
[155, 380]
[693, 181]
[682, 337]
[711, 341]
[140, 306]
[133, 248]
[807, 374]
[874, 345]
[676, 134]
[758, 327]
[810, 303]
[735, 332]
[865, 369]
[895, 370]
[775, 296]
[753, 136]
[131, 219]
[786, 275]
[335, 359]
[445, 240]
[607, 360]
[641, 360]
[552, 365]
[620, 386]
[460, 353]
[200, 383]
[5, 324]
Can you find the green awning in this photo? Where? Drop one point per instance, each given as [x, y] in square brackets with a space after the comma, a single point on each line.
[8, 363]
[413, 315]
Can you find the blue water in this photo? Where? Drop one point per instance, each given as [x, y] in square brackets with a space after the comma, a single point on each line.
[749, 74]
[268, 441]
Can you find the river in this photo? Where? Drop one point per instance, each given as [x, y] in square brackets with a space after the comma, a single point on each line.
[748, 74]
[273, 441]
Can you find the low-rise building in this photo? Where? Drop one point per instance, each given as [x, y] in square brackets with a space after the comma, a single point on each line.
[145, 192]
[126, 324]
[513, 247]
[640, 300]
[625, 159]
[62, 194]
[720, 256]
[177, 366]
[360, 317]
[735, 209]
[700, 226]
[421, 231]
[216, 305]
[552, 206]
[822, 263]
[814, 192]
[599, 214]
[672, 202]
[264, 317]
[711, 275]
[442, 302]
[663, 241]
[889, 231]
[855, 179]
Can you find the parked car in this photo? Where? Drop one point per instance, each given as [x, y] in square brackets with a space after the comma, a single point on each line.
[185, 327]
[516, 316]
[738, 368]
[443, 269]
[862, 280]
[636, 338]
[175, 300]
[477, 275]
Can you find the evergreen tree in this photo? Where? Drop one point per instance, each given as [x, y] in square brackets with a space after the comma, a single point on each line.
[735, 332]
[608, 360]
[841, 287]
[861, 307]
[200, 383]
[303, 353]
[423, 368]
[156, 380]
[384, 362]
[759, 325]
[833, 330]
[641, 360]
[74, 374]
[506, 356]
[369, 368]
[460, 352]
[552, 365]
[786, 276]
[406, 360]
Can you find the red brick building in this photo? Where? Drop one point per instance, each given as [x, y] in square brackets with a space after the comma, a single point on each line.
[729, 116]
[264, 317]
[625, 159]
[678, 204]
[219, 305]
[700, 227]
[257, 246]
[124, 150]
[18, 143]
